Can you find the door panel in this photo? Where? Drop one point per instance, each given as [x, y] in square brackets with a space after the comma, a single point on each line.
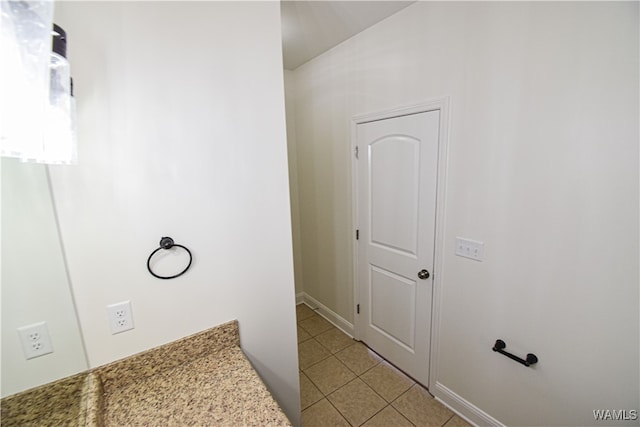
[391, 295]
[394, 214]
[397, 179]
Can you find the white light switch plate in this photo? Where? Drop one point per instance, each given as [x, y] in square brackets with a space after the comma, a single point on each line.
[470, 248]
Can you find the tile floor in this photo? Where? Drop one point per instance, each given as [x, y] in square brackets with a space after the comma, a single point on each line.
[343, 383]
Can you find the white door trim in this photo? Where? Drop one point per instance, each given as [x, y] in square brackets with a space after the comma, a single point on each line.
[442, 104]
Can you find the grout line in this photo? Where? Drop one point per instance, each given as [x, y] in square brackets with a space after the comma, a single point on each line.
[314, 384]
[449, 419]
[326, 396]
[358, 376]
[341, 414]
[383, 408]
[334, 406]
[321, 360]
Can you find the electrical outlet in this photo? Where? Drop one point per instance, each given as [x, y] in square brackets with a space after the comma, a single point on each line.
[35, 340]
[120, 317]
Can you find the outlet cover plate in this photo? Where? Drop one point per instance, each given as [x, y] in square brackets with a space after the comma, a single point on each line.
[120, 317]
[35, 340]
[470, 248]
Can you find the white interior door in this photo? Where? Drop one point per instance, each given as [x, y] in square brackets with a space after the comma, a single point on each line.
[397, 173]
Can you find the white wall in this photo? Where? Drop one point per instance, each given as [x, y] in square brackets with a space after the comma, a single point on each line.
[543, 167]
[289, 90]
[34, 282]
[181, 134]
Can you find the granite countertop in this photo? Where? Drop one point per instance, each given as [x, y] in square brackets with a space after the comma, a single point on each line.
[220, 389]
[204, 379]
[60, 403]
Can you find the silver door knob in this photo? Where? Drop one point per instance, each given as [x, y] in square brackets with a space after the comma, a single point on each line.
[423, 274]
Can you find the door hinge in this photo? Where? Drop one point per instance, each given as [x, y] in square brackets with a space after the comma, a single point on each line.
[357, 234]
[358, 308]
[357, 152]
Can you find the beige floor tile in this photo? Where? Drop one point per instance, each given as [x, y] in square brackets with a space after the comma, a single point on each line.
[388, 417]
[387, 381]
[419, 407]
[456, 421]
[335, 340]
[323, 414]
[302, 335]
[315, 325]
[309, 393]
[303, 312]
[359, 358]
[329, 375]
[357, 402]
[311, 352]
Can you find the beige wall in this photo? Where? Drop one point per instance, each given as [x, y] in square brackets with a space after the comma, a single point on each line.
[543, 167]
[181, 134]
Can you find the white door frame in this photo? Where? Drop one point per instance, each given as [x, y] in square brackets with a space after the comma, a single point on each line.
[442, 104]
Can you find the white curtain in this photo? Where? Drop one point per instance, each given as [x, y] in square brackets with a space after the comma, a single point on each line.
[32, 128]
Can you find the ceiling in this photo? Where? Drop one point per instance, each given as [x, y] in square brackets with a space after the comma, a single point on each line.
[310, 28]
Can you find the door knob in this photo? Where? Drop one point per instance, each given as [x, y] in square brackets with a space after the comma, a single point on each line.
[423, 274]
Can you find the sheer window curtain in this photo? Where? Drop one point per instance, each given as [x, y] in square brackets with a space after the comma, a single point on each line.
[36, 106]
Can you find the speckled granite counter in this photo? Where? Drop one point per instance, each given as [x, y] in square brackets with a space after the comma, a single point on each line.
[204, 379]
[60, 403]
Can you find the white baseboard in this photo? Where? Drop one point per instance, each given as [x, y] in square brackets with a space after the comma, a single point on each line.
[471, 413]
[338, 321]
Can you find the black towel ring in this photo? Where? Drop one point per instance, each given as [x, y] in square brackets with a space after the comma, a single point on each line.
[167, 243]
